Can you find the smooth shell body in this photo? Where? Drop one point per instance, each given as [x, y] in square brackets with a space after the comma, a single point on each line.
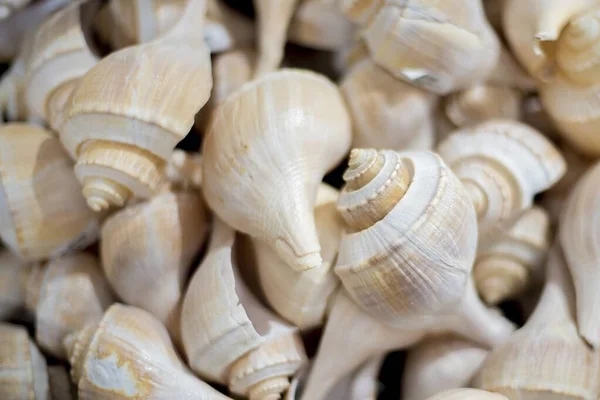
[579, 235]
[147, 251]
[13, 274]
[64, 296]
[302, 297]
[439, 46]
[42, 212]
[503, 164]
[121, 129]
[242, 344]
[320, 24]
[267, 150]
[387, 113]
[23, 372]
[440, 363]
[106, 362]
[514, 262]
[399, 264]
[546, 359]
[467, 394]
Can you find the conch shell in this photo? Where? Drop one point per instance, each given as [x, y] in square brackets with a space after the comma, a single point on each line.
[267, 150]
[42, 212]
[128, 354]
[242, 344]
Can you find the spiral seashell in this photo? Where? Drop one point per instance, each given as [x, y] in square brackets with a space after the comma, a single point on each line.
[268, 148]
[121, 129]
[386, 112]
[106, 360]
[439, 46]
[579, 238]
[42, 212]
[23, 372]
[503, 164]
[389, 260]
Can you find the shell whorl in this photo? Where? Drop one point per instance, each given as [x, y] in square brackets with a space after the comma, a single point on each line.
[375, 183]
[578, 48]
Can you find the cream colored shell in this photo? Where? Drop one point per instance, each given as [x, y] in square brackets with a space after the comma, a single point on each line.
[269, 146]
[439, 46]
[302, 297]
[122, 129]
[23, 372]
[13, 275]
[387, 113]
[42, 212]
[64, 296]
[579, 238]
[320, 24]
[243, 344]
[106, 363]
[565, 366]
[514, 262]
[147, 250]
[467, 394]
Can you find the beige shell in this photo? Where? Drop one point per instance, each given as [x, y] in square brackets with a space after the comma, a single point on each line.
[59, 57]
[579, 238]
[273, 18]
[320, 24]
[302, 297]
[503, 164]
[269, 146]
[387, 113]
[8, 7]
[546, 359]
[243, 344]
[61, 387]
[413, 224]
[147, 251]
[106, 363]
[482, 102]
[532, 28]
[440, 363]
[13, 275]
[23, 372]
[439, 46]
[120, 128]
[467, 394]
[64, 296]
[509, 73]
[514, 262]
[42, 212]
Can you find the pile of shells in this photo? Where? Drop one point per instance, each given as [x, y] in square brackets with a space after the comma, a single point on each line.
[189, 209]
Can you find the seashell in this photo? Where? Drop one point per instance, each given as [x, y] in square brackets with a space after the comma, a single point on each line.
[579, 238]
[503, 164]
[574, 109]
[59, 56]
[14, 29]
[261, 173]
[13, 274]
[147, 251]
[515, 261]
[482, 102]
[225, 29]
[60, 384]
[389, 261]
[387, 113]
[302, 297]
[467, 394]
[365, 381]
[42, 212]
[185, 170]
[320, 24]
[273, 18]
[353, 52]
[122, 130]
[243, 344]
[8, 7]
[532, 28]
[106, 363]
[437, 46]
[545, 359]
[23, 372]
[508, 72]
[64, 296]
[438, 364]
